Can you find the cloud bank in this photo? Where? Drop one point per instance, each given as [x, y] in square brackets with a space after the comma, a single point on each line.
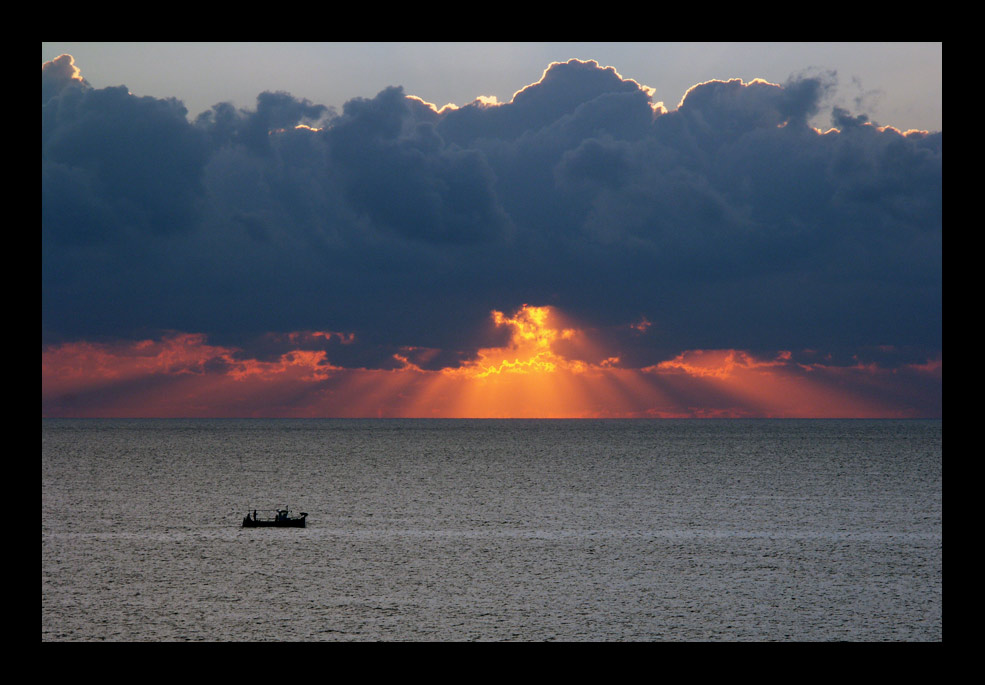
[726, 223]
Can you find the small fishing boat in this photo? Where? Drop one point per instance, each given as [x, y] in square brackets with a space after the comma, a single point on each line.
[281, 519]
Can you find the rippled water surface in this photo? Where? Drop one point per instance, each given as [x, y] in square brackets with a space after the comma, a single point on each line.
[492, 530]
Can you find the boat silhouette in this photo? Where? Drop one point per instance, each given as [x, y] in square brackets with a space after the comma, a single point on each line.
[281, 519]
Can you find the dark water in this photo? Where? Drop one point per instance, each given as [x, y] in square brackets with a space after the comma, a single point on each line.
[492, 530]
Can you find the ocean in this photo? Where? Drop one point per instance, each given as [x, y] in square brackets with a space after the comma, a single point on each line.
[489, 530]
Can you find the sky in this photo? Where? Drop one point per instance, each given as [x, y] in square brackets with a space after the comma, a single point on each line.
[492, 230]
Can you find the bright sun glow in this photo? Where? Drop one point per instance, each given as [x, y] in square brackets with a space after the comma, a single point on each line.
[530, 348]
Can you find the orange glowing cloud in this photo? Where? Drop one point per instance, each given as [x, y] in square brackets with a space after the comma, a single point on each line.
[717, 363]
[550, 368]
[180, 375]
[779, 388]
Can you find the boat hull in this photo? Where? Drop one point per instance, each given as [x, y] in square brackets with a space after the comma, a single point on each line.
[289, 523]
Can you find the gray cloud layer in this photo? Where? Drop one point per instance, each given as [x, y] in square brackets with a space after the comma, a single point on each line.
[726, 223]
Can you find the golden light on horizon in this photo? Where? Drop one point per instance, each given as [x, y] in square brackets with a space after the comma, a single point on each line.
[550, 367]
[530, 377]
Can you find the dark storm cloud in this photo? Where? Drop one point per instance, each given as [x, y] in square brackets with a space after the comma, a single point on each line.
[397, 172]
[725, 223]
[274, 112]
